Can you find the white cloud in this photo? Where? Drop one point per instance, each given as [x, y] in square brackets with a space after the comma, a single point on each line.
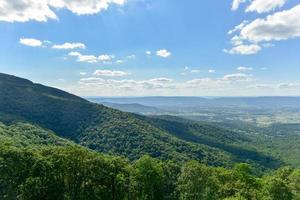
[160, 80]
[125, 86]
[163, 53]
[282, 25]
[244, 49]
[238, 27]
[187, 70]
[74, 53]
[86, 7]
[82, 73]
[244, 69]
[84, 58]
[211, 71]
[42, 10]
[31, 42]
[263, 6]
[204, 83]
[238, 84]
[25, 10]
[68, 45]
[105, 57]
[110, 73]
[279, 26]
[236, 41]
[236, 4]
[148, 53]
[238, 77]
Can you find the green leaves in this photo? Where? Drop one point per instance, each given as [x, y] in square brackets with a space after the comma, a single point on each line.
[72, 172]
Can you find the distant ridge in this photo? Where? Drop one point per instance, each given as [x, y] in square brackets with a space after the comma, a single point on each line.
[266, 102]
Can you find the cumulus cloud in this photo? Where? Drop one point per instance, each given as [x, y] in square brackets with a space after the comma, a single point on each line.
[84, 58]
[42, 10]
[244, 49]
[236, 4]
[263, 6]
[105, 57]
[31, 42]
[163, 53]
[25, 10]
[148, 53]
[211, 71]
[282, 25]
[110, 73]
[279, 26]
[259, 6]
[68, 45]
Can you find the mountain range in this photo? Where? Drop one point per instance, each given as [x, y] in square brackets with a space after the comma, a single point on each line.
[32, 113]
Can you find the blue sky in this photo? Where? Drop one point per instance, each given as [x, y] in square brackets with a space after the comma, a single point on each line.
[154, 47]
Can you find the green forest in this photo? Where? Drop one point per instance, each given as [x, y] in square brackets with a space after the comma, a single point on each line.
[77, 173]
[54, 145]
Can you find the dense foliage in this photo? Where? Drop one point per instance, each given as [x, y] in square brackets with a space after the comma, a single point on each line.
[77, 173]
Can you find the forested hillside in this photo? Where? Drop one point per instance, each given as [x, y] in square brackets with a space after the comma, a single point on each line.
[114, 132]
[25, 135]
[77, 173]
[48, 138]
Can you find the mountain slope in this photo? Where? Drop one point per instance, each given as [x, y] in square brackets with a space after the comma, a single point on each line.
[237, 144]
[101, 128]
[27, 135]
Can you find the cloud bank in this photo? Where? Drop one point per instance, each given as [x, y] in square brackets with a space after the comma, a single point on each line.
[42, 10]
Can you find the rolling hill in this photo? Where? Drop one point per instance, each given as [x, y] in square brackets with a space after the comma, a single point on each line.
[118, 133]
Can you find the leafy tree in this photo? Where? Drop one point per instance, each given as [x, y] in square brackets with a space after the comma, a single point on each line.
[294, 179]
[171, 175]
[196, 182]
[275, 188]
[147, 179]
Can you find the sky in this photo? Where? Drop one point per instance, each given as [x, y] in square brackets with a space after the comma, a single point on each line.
[154, 47]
